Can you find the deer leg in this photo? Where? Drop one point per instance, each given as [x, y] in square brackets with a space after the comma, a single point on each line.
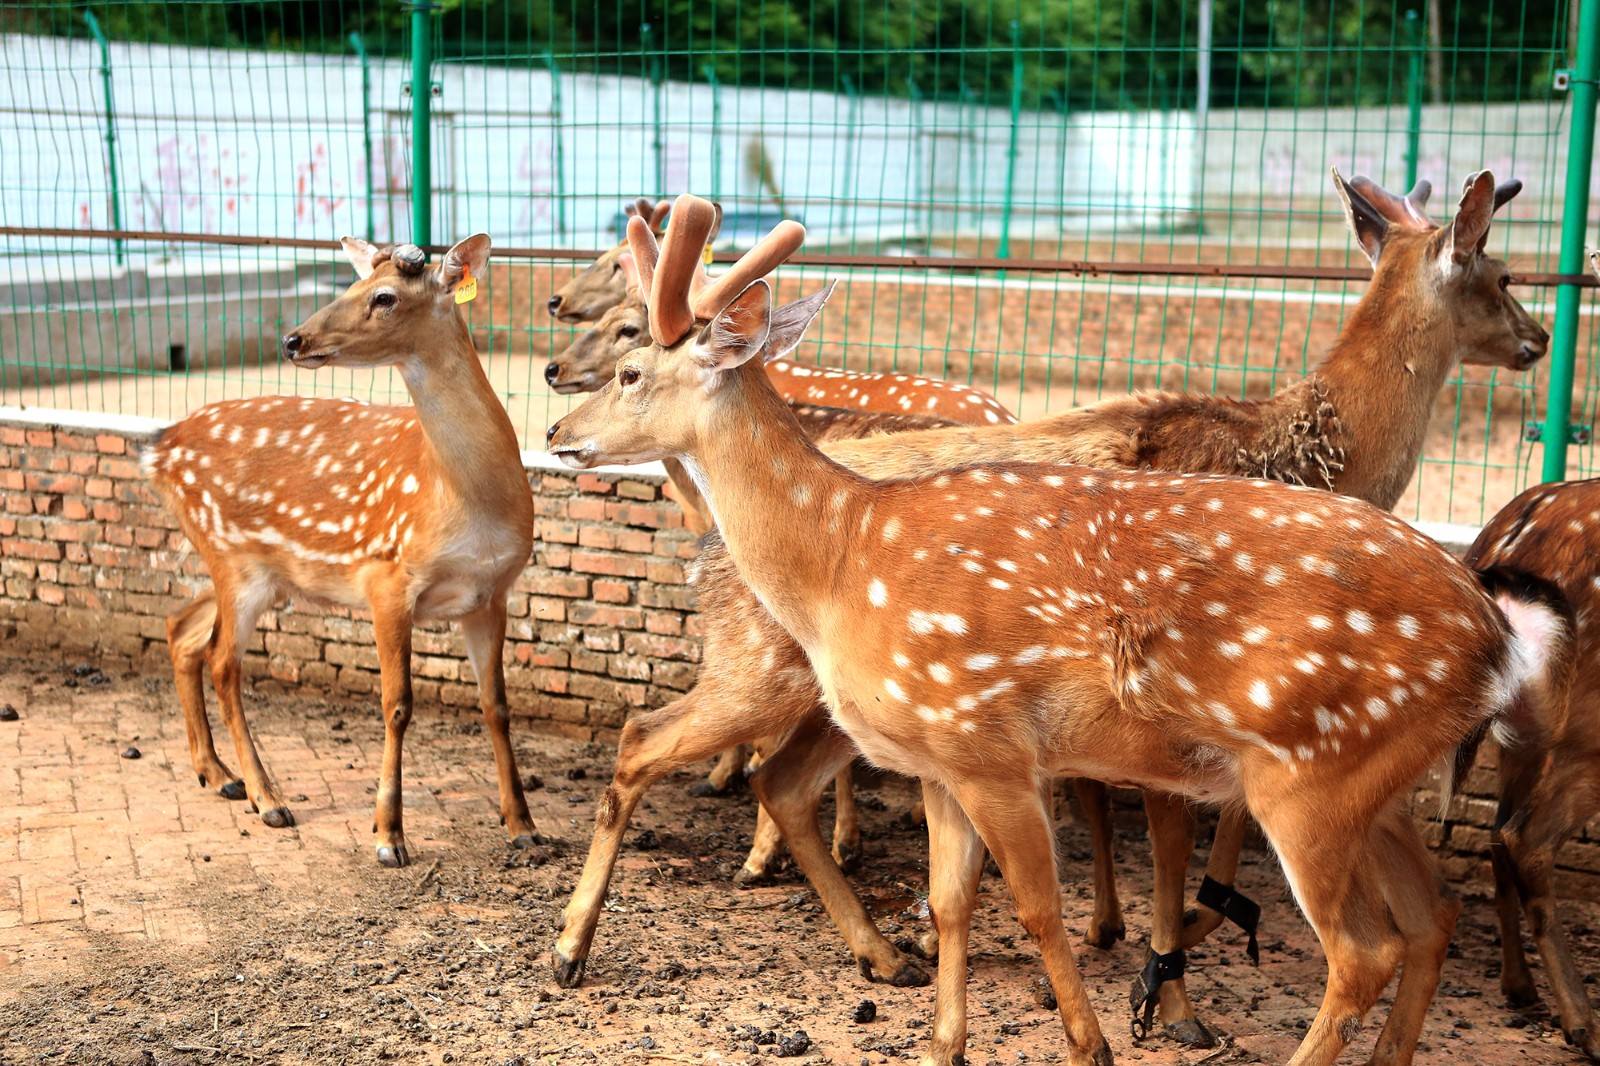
[1516, 981]
[1426, 919]
[764, 850]
[1172, 842]
[391, 625]
[730, 765]
[846, 823]
[1222, 866]
[1532, 867]
[790, 784]
[1338, 893]
[239, 603]
[1106, 927]
[188, 639]
[1015, 826]
[955, 863]
[485, 632]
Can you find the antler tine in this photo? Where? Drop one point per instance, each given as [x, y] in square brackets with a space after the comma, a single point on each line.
[1406, 211]
[642, 243]
[1505, 191]
[659, 214]
[784, 240]
[641, 207]
[670, 315]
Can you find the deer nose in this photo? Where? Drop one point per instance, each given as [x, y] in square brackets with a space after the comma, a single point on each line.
[291, 345]
[554, 304]
[550, 434]
[551, 372]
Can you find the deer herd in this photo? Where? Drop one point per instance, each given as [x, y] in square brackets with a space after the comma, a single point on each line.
[1204, 598]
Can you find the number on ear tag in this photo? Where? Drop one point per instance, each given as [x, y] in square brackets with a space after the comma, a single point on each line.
[467, 290]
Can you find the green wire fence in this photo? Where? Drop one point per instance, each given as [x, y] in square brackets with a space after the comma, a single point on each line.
[173, 175]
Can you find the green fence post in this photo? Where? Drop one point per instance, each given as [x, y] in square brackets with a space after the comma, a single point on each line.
[421, 122]
[561, 156]
[710, 71]
[117, 245]
[1574, 218]
[647, 35]
[1003, 249]
[1413, 96]
[852, 118]
[360, 48]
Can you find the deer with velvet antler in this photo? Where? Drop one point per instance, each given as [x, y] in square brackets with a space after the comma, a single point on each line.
[993, 627]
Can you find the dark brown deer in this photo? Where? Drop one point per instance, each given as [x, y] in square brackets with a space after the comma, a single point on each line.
[1427, 309]
[992, 628]
[412, 512]
[1550, 758]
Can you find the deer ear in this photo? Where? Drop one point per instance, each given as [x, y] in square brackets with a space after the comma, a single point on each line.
[789, 322]
[739, 331]
[360, 253]
[1366, 221]
[1469, 232]
[471, 255]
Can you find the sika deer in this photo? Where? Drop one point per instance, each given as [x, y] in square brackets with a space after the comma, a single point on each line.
[586, 364]
[1417, 321]
[1550, 766]
[600, 286]
[413, 512]
[1048, 619]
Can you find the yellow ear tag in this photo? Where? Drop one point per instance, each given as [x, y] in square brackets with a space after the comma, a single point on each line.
[705, 256]
[467, 290]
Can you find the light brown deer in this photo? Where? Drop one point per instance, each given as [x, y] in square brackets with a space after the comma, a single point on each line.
[600, 286]
[1550, 765]
[1042, 620]
[587, 363]
[1420, 317]
[411, 512]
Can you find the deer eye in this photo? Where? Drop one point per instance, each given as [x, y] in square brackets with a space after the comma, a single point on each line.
[628, 331]
[628, 375]
[384, 298]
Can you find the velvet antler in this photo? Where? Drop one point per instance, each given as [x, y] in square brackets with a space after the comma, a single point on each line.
[1409, 211]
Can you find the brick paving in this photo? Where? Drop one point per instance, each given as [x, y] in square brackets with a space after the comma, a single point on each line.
[140, 914]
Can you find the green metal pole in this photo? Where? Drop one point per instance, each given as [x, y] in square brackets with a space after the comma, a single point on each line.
[1574, 216]
[852, 117]
[117, 245]
[648, 33]
[1413, 96]
[1003, 249]
[710, 71]
[561, 157]
[421, 122]
[360, 48]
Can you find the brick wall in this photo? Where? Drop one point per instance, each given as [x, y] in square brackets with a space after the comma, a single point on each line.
[602, 619]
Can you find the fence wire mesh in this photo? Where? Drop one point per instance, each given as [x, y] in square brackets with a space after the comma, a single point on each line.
[1149, 131]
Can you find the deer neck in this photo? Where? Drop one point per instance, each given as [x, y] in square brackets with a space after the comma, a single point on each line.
[470, 446]
[786, 512]
[1382, 376]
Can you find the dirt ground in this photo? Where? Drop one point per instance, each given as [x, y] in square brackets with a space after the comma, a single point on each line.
[144, 920]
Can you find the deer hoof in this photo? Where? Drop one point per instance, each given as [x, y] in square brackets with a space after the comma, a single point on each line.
[1520, 994]
[233, 790]
[277, 817]
[393, 856]
[1190, 1032]
[745, 877]
[569, 972]
[1102, 1057]
[1105, 934]
[848, 856]
[909, 975]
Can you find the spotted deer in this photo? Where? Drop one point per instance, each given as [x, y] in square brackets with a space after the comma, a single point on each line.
[413, 513]
[1549, 772]
[1327, 431]
[586, 364]
[601, 286]
[990, 628]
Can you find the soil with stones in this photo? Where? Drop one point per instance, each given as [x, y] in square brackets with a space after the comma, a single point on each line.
[144, 920]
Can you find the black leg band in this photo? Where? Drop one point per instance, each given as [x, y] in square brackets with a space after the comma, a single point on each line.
[1158, 970]
[1236, 907]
